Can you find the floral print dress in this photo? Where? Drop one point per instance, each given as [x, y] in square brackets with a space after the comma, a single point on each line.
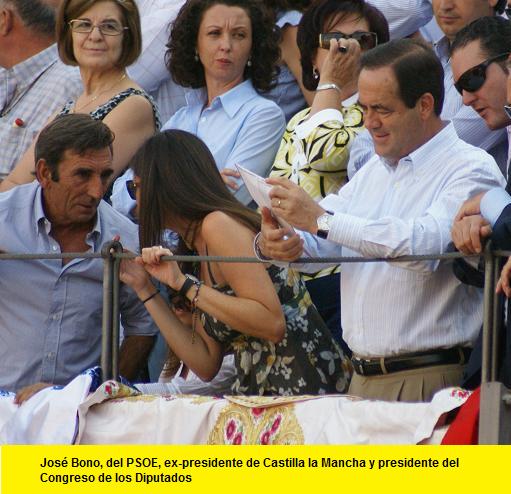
[306, 361]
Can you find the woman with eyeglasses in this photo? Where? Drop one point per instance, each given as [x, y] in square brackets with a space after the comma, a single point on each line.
[102, 38]
[315, 148]
[262, 314]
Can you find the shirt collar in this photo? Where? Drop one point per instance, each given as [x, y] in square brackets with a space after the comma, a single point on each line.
[433, 149]
[231, 100]
[443, 48]
[429, 152]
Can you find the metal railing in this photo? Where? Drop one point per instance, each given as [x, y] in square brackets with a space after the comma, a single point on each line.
[495, 409]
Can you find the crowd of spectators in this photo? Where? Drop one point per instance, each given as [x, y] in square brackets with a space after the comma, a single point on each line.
[380, 127]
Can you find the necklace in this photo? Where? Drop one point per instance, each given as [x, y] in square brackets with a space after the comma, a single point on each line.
[94, 98]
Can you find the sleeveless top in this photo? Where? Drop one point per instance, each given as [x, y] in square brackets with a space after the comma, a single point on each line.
[103, 110]
[306, 361]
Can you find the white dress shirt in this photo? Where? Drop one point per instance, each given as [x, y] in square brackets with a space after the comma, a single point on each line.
[468, 124]
[406, 209]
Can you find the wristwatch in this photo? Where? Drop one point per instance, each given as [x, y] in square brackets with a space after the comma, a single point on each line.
[324, 221]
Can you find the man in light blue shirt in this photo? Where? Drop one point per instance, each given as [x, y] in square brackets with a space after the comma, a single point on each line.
[409, 324]
[51, 310]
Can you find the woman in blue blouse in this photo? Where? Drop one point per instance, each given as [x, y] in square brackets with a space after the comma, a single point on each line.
[226, 52]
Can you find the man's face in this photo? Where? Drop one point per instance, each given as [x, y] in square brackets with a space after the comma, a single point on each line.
[453, 15]
[396, 129]
[82, 182]
[489, 100]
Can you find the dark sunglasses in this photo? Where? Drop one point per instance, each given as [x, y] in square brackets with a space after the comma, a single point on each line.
[365, 39]
[131, 187]
[473, 79]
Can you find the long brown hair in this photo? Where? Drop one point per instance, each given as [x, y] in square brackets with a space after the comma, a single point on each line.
[179, 179]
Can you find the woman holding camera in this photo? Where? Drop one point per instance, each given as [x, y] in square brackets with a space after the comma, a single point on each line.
[315, 148]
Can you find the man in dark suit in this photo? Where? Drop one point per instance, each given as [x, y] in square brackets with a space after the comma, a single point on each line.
[480, 64]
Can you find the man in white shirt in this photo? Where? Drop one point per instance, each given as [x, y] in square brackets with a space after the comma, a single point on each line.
[409, 324]
[451, 16]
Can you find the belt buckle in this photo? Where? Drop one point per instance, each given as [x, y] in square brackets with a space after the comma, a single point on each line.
[358, 363]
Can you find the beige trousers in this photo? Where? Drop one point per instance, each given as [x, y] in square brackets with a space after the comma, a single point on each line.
[410, 385]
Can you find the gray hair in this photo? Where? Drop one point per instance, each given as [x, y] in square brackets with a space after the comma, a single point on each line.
[38, 15]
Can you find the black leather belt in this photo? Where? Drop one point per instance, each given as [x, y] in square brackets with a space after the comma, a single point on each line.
[387, 365]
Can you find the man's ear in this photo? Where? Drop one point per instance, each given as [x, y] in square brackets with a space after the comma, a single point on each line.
[6, 21]
[426, 105]
[43, 172]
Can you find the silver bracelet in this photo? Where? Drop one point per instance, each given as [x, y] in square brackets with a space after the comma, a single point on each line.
[328, 85]
[257, 249]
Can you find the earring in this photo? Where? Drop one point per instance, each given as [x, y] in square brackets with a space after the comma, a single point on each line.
[315, 74]
[196, 56]
[249, 63]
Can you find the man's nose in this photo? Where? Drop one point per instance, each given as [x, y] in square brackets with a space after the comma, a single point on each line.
[371, 120]
[96, 188]
[467, 97]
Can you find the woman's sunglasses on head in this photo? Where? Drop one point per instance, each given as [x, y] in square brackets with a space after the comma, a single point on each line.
[474, 78]
[131, 187]
[366, 40]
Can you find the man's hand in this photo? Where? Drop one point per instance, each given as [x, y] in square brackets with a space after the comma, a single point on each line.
[470, 207]
[291, 203]
[503, 285]
[467, 233]
[229, 172]
[28, 391]
[272, 242]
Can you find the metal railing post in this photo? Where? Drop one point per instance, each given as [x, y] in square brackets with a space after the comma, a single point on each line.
[110, 326]
[488, 301]
[495, 410]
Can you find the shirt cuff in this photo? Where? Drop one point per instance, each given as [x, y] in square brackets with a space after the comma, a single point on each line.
[346, 230]
[493, 203]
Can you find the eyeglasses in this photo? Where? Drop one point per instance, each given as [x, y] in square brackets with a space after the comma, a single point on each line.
[109, 28]
[365, 39]
[131, 187]
[473, 79]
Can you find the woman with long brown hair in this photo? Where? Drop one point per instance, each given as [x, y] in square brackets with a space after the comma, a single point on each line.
[261, 314]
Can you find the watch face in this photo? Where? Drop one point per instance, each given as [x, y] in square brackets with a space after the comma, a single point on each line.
[324, 222]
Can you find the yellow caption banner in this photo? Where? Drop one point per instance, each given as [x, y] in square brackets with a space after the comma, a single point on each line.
[249, 469]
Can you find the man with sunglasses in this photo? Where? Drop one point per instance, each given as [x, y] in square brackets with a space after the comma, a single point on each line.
[409, 324]
[51, 310]
[480, 55]
[451, 16]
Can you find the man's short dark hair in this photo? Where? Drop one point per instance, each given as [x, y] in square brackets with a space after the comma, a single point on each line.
[493, 34]
[416, 67]
[77, 132]
[37, 15]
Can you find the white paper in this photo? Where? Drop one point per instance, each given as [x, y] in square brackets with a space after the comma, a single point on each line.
[260, 192]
